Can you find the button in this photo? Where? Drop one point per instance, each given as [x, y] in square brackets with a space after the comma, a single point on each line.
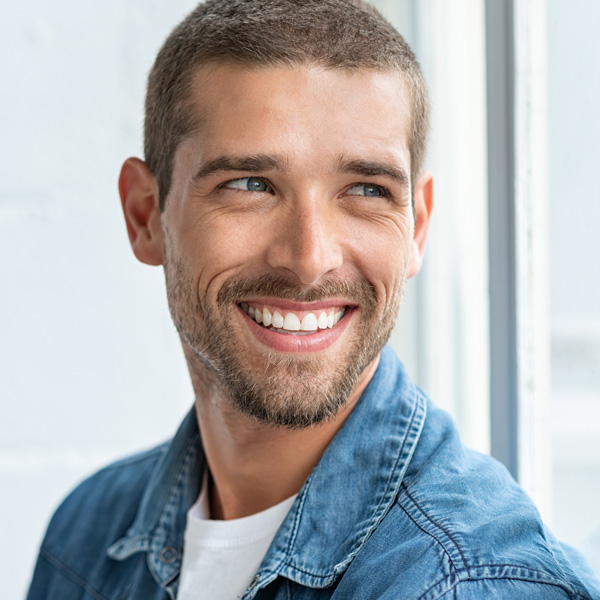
[168, 555]
[254, 581]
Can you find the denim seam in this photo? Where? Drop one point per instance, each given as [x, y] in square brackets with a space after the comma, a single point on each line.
[440, 528]
[471, 579]
[276, 569]
[363, 534]
[551, 549]
[175, 480]
[412, 430]
[175, 483]
[297, 518]
[74, 577]
[439, 542]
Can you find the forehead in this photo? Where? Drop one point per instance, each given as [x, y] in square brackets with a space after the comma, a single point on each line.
[300, 111]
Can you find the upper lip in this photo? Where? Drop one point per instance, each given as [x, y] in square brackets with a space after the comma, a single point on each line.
[292, 305]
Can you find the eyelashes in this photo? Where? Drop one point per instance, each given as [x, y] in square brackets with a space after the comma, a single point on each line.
[249, 184]
[261, 185]
[369, 190]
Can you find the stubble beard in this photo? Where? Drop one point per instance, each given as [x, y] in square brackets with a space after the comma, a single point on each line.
[293, 392]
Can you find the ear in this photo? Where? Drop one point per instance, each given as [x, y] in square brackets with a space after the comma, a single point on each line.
[423, 201]
[139, 198]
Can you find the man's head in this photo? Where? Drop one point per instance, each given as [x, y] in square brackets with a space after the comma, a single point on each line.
[334, 34]
[289, 227]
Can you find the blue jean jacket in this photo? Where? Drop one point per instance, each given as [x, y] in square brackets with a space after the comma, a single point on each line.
[397, 508]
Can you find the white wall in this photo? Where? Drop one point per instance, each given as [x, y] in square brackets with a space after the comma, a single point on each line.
[90, 365]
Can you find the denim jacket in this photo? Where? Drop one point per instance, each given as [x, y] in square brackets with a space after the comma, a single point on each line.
[397, 508]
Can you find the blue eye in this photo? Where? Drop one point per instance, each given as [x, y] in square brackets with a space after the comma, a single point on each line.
[249, 184]
[366, 189]
[254, 184]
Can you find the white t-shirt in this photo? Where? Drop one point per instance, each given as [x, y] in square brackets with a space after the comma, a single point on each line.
[220, 558]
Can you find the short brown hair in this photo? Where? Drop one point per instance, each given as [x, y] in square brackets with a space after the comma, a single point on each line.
[335, 34]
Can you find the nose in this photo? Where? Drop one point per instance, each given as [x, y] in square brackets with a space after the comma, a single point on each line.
[307, 241]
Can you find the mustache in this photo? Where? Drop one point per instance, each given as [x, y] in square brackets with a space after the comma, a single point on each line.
[359, 292]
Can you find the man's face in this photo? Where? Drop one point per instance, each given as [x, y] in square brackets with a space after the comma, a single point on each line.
[288, 233]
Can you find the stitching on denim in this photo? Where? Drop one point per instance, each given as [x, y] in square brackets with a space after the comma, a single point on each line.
[362, 534]
[287, 554]
[459, 575]
[511, 566]
[166, 501]
[439, 527]
[316, 576]
[294, 529]
[401, 456]
[419, 409]
[60, 566]
[551, 548]
[471, 579]
[456, 569]
[175, 478]
[297, 518]
[410, 497]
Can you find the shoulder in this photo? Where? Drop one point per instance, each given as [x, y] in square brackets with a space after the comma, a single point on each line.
[108, 500]
[503, 588]
[462, 528]
[93, 516]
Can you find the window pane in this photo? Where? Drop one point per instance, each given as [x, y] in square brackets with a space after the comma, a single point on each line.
[574, 215]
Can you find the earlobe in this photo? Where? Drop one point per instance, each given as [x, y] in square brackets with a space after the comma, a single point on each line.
[423, 200]
[139, 200]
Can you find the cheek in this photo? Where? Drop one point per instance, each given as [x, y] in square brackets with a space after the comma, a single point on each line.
[381, 254]
[222, 248]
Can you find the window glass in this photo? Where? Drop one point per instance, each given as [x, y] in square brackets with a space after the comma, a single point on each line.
[574, 215]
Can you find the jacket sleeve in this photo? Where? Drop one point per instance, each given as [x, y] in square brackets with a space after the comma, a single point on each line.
[583, 570]
[49, 582]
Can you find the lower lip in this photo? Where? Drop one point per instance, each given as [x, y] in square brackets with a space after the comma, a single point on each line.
[285, 342]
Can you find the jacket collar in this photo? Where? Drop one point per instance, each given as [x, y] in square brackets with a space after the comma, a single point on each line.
[345, 498]
[161, 519]
[354, 484]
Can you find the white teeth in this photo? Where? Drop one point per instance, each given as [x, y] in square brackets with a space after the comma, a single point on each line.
[322, 322]
[291, 322]
[309, 322]
[339, 315]
[277, 320]
[266, 316]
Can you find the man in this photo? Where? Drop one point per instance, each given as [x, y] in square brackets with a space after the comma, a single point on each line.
[283, 192]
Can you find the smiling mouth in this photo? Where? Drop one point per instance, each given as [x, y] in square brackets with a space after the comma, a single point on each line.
[293, 322]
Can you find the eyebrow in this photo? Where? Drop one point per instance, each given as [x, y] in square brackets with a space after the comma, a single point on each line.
[371, 169]
[256, 163]
[264, 162]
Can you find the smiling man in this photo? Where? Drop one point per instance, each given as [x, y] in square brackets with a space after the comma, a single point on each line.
[283, 193]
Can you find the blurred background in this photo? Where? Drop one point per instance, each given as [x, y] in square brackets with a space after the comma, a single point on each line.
[502, 327]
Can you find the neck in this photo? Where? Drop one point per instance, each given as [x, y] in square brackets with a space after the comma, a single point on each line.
[254, 466]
